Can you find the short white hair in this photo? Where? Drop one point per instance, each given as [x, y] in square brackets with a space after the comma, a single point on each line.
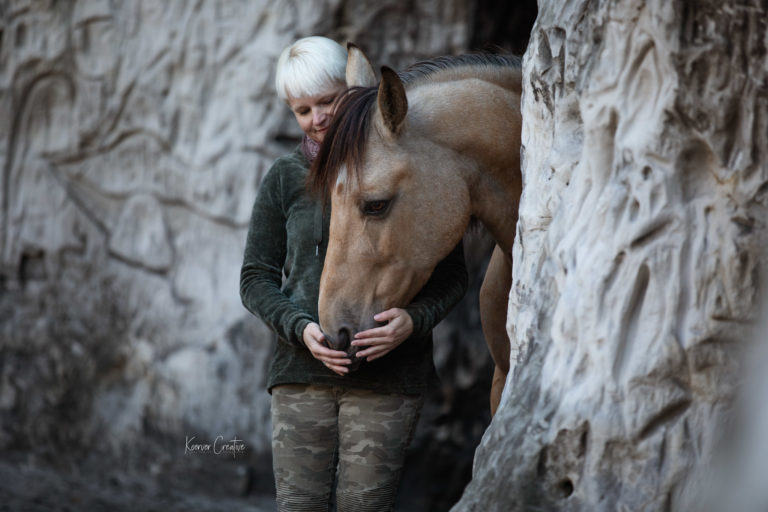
[309, 66]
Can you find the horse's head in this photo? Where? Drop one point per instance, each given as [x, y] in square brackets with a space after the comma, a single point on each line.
[399, 205]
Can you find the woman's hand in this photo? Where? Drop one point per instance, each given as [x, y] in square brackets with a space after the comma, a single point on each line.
[383, 340]
[335, 360]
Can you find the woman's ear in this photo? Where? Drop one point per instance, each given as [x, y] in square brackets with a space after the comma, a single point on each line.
[359, 69]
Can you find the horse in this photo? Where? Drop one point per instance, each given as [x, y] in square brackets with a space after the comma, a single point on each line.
[408, 164]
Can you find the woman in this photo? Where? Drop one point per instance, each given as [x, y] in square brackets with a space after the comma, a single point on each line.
[329, 423]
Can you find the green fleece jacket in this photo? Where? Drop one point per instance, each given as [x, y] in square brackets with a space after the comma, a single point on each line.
[288, 234]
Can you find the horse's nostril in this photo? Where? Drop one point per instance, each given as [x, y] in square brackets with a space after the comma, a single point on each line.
[344, 338]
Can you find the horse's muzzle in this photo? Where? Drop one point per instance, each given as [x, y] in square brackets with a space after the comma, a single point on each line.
[343, 341]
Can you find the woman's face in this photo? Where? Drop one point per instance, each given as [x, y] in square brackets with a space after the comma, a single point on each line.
[314, 113]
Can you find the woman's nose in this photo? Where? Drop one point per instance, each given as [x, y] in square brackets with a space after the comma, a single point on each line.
[320, 116]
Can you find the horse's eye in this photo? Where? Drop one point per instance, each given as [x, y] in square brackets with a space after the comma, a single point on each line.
[375, 208]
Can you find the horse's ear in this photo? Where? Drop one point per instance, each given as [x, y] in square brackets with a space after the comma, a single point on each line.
[359, 69]
[393, 105]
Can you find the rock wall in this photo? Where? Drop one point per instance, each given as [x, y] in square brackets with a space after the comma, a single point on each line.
[133, 137]
[641, 235]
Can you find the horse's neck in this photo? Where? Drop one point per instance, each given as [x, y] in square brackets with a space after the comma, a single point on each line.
[495, 203]
[484, 126]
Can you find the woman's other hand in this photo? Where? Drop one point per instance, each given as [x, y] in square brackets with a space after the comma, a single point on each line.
[382, 340]
[336, 360]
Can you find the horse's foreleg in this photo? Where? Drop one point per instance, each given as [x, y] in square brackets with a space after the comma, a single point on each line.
[497, 386]
[494, 296]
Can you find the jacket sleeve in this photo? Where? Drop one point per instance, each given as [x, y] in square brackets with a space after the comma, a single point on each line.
[443, 290]
[261, 276]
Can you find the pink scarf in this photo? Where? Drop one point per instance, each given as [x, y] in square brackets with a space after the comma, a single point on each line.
[309, 147]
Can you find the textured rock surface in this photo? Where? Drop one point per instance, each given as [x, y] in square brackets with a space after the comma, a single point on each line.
[133, 136]
[642, 229]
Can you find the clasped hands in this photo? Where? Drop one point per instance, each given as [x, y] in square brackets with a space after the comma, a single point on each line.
[379, 341]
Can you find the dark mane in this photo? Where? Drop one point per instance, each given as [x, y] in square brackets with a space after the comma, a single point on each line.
[425, 69]
[344, 143]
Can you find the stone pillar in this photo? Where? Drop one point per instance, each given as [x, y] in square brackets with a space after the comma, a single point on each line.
[636, 266]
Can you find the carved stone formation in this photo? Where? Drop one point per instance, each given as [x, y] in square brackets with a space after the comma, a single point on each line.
[642, 231]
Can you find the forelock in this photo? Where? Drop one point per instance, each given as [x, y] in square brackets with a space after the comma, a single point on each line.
[344, 143]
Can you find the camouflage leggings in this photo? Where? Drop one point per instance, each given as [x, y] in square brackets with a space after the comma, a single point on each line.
[368, 432]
